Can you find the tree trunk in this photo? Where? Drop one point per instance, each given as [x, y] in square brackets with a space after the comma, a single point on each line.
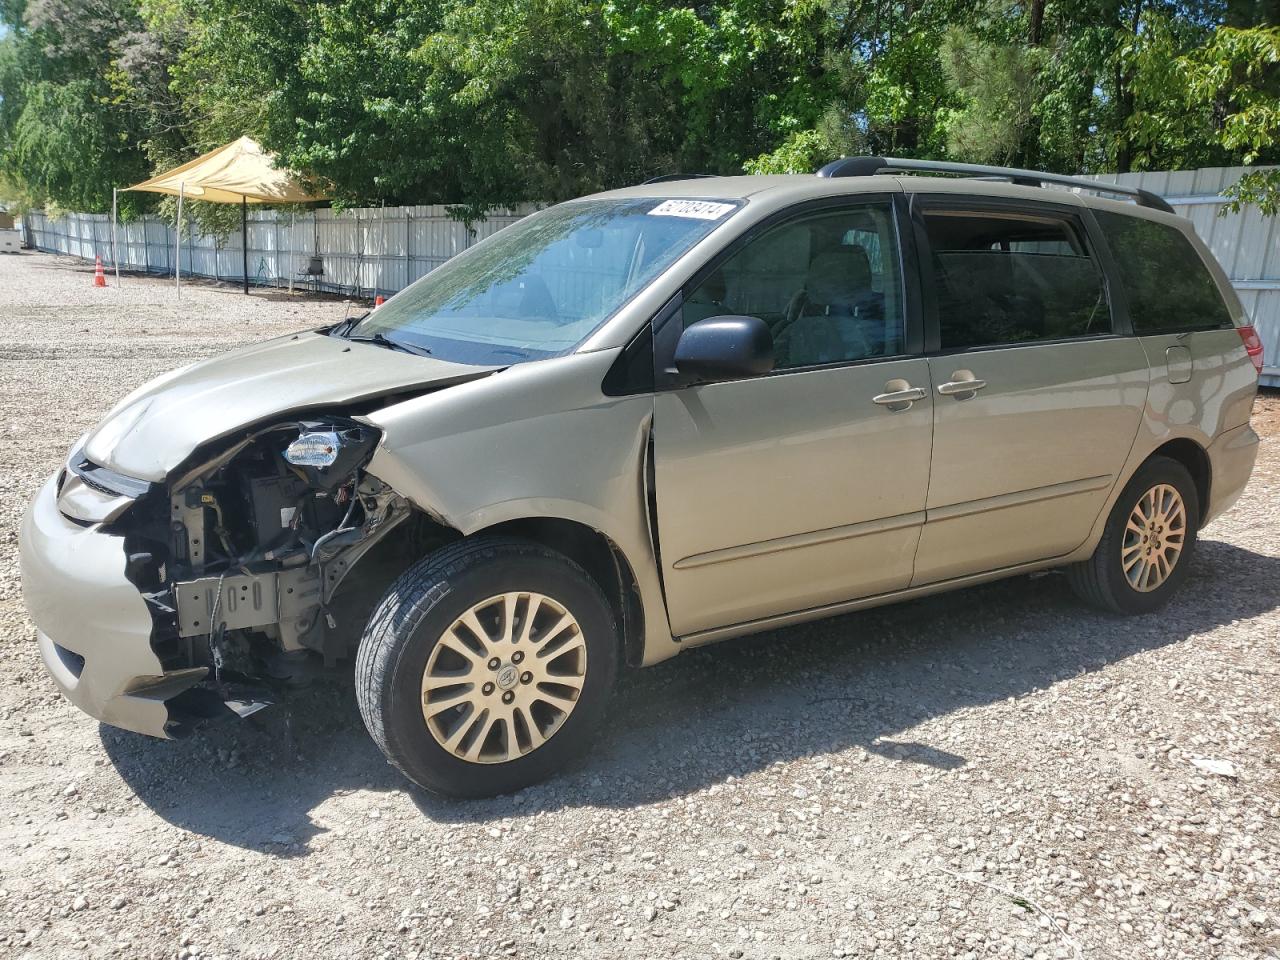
[1029, 148]
[1124, 103]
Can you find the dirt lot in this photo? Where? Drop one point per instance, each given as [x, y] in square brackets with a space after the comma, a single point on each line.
[999, 772]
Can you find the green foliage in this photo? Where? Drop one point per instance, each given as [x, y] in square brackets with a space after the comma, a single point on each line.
[802, 152]
[1209, 97]
[1237, 73]
[906, 92]
[997, 85]
[1169, 125]
[484, 103]
[14, 197]
[67, 146]
[1260, 188]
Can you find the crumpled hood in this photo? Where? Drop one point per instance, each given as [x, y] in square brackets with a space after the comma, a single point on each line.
[159, 425]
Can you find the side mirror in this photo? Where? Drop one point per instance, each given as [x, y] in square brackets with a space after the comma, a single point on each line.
[725, 348]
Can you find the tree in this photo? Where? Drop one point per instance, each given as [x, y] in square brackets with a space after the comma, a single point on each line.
[499, 101]
[482, 103]
[73, 123]
[1236, 78]
[997, 83]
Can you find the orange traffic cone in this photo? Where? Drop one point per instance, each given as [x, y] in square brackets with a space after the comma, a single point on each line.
[378, 301]
[99, 278]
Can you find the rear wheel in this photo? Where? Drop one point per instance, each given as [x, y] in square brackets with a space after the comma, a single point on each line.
[487, 667]
[1146, 548]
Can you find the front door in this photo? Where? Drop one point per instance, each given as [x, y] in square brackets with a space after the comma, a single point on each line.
[1037, 400]
[803, 487]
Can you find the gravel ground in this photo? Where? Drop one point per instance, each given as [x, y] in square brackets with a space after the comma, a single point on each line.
[998, 772]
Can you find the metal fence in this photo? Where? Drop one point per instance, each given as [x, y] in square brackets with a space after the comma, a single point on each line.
[360, 251]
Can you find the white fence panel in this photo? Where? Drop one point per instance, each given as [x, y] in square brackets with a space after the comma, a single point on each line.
[361, 251]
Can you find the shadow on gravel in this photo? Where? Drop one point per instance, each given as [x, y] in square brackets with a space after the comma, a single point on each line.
[253, 783]
[859, 680]
[307, 295]
[303, 291]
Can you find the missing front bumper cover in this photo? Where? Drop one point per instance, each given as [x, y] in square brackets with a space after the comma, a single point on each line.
[290, 599]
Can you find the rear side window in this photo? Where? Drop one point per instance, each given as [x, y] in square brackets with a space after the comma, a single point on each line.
[1009, 277]
[1168, 286]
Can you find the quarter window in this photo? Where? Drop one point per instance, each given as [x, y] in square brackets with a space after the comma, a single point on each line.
[827, 284]
[1168, 286]
[1013, 278]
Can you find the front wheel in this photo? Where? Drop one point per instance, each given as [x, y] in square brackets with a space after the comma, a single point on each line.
[1148, 542]
[487, 667]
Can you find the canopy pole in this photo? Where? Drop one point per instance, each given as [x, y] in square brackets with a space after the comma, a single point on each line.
[115, 259]
[382, 250]
[177, 245]
[244, 239]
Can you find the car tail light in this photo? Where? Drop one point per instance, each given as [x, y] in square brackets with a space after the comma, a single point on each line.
[1252, 346]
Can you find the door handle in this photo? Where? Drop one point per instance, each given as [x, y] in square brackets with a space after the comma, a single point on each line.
[899, 395]
[962, 385]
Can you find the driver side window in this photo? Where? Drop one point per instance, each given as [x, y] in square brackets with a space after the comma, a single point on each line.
[827, 284]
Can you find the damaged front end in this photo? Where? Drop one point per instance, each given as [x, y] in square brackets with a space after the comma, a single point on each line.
[197, 549]
[240, 555]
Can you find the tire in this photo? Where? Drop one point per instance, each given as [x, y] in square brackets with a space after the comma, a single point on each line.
[406, 637]
[1101, 581]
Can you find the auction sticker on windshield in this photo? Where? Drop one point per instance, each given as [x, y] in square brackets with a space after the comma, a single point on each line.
[692, 209]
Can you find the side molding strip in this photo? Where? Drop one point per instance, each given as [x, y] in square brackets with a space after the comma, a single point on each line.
[849, 531]
[846, 532]
[1051, 492]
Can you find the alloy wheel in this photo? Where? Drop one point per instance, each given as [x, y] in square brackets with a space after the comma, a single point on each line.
[504, 677]
[1154, 537]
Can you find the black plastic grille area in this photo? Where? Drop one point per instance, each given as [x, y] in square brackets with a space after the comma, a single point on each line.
[105, 481]
[87, 479]
[71, 660]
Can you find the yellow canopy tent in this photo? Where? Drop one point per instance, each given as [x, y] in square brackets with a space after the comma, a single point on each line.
[240, 172]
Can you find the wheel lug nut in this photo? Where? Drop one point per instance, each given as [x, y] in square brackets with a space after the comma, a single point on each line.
[487, 689]
[508, 697]
[517, 657]
[495, 663]
[526, 677]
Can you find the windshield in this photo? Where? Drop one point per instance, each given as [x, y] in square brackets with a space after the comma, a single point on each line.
[539, 287]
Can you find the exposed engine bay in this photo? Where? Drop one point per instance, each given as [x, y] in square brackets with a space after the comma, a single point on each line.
[240, 556]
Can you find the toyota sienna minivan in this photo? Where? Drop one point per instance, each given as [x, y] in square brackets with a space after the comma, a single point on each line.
[642, 421]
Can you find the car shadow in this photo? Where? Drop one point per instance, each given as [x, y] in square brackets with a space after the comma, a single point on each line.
[254, 782]
[862, 680]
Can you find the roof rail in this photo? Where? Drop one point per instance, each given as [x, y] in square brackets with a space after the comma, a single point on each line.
[869, 166]
[669, 177]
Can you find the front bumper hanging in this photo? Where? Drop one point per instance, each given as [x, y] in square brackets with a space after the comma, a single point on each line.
[93, 626]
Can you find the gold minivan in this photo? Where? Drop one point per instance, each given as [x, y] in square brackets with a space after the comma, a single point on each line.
[643, 421]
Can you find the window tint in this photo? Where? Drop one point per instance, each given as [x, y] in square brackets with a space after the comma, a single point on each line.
[1013, 278]
[1168, 286]
[827, 284]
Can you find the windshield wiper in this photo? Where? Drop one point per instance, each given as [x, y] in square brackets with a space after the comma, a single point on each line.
[382, 340]
[347, 324]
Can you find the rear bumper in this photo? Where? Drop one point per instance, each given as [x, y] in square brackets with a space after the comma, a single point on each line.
[93, 626]
[1231, 459]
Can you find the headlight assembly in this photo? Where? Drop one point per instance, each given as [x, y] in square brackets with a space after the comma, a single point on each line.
[327, 452]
